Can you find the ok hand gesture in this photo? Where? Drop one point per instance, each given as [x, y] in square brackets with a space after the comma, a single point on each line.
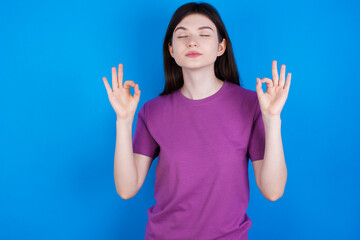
[120, 98]
[272, 102]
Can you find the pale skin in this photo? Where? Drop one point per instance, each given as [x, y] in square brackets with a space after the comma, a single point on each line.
[200, 82]
[120, 97]
[271, 172]
[198, 33]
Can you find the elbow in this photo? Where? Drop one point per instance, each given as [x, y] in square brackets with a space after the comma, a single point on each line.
[274, 194]
[274, 197]
[125, 196]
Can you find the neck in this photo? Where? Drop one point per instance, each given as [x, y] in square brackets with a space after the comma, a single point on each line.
[200, 83]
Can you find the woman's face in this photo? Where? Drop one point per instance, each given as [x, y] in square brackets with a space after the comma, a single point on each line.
[197, 33]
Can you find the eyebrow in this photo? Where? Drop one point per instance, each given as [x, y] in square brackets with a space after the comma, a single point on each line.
[204, 27]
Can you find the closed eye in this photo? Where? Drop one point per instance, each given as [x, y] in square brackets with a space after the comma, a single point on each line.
[200, 35]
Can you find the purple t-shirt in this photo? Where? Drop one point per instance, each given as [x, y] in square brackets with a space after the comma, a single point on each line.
[204, 146]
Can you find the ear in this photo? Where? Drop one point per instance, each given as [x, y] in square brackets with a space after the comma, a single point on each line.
[222, 47]
[171, 50]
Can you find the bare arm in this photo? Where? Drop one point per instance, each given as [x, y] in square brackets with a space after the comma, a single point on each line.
[125, 171]
[273, 173]
[124, 104]
[130, 169]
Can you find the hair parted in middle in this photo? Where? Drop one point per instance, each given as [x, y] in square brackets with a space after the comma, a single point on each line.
[225, 65]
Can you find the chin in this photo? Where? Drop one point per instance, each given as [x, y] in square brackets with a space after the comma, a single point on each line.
[196, 65]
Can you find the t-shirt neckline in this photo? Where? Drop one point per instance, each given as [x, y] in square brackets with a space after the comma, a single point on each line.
[203, 100]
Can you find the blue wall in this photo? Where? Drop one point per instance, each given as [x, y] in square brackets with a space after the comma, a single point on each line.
[58, 134]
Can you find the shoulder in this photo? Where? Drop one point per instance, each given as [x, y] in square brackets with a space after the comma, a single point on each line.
[156, 103]
[245, 95]
[157, 106]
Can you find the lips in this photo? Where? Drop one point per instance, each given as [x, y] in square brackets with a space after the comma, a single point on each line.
[193, 53]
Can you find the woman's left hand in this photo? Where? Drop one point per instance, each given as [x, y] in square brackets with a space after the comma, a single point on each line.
[273, 100]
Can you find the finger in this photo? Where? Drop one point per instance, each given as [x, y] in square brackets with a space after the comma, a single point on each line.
[129, 83]
[137, 92]
[115, 84]
[282, 75]
[258, 87]
[107, 86]
[288, 81]
[269, 82]
[120, 75]
[275, 74]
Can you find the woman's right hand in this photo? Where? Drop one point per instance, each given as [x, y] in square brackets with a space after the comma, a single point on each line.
[120, 97]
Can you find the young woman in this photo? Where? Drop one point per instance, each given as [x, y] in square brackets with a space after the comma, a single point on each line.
[203, 127]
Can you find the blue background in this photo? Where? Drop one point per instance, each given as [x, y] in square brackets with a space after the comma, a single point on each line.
[58, 128]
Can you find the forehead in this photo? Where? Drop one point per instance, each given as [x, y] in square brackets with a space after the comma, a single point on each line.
[193, 21]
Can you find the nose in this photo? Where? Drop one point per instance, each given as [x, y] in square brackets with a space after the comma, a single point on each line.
[192, 41]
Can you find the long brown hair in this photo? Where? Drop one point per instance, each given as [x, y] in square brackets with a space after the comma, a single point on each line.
[225, 66]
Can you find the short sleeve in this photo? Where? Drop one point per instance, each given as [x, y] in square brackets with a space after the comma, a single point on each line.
[256, 146]
[142, 141]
